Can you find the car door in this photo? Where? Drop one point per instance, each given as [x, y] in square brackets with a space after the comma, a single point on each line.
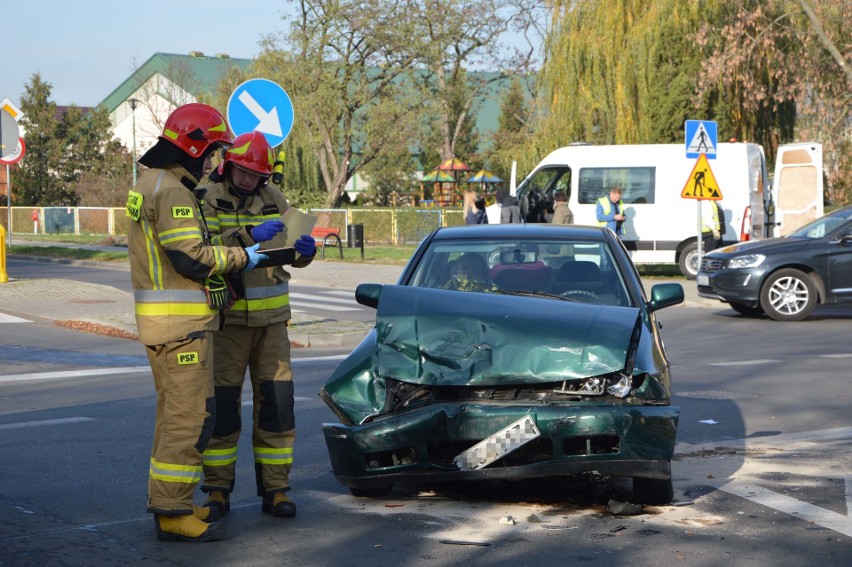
[840, 264]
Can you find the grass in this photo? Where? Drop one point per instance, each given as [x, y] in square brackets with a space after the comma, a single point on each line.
[68, 253]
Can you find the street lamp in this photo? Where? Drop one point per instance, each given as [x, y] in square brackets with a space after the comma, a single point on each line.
[133, 104]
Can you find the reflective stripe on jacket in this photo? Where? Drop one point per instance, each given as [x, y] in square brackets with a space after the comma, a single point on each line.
[170, 258]
[267, 297]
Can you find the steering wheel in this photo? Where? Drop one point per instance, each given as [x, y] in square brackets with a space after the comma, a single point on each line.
[581, 293]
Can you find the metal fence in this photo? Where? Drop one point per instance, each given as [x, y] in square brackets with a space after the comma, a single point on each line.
[381, 226]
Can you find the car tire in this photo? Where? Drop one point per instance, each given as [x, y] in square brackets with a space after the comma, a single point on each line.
[374, 492]
[746, 309]
[788, 295]
[688, 261]
[653, 491]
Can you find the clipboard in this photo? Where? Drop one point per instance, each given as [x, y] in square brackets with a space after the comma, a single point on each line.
[277, 257]
[296, 223]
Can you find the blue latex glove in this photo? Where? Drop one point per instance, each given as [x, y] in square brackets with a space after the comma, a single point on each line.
[254, 256]
[306, 245]
[267, 230]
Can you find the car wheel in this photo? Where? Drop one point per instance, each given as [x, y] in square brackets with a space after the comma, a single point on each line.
[373, 492]
[688, 261]
[653, 491]
[747, 310]
[788, 295]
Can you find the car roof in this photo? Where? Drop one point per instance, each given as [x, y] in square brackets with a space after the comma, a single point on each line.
[522, 231]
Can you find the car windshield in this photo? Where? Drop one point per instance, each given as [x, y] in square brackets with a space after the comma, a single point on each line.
[572, 270]
[823, 225]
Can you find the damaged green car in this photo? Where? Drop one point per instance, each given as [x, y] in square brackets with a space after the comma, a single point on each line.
[508, 352]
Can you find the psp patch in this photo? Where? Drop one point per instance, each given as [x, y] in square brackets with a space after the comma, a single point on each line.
[134, 205]
[182, 212]
[184, 358]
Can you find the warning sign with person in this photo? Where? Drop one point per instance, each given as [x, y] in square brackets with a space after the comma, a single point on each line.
[702, 183]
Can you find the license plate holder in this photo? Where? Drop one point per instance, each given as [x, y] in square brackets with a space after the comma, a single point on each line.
[498, 445]
[703, 279]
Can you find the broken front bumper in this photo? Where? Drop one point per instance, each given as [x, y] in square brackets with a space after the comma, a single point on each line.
[421, 445]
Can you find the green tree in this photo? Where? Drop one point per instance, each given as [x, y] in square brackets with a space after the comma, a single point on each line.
[34, 183]
[513, 134]
[346, 69]
[71, 158]
[783, 78]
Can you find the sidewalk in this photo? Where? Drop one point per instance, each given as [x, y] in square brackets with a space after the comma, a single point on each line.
[107, 310]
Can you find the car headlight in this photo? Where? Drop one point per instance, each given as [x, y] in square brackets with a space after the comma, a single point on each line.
[750, 261]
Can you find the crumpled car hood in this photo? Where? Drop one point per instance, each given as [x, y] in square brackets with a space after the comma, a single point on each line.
[451, 338]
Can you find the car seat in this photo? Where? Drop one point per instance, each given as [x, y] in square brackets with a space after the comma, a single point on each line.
[523, 277]
[580, 275]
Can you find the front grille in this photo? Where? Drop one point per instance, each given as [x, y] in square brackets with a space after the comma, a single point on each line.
[593, 445]
[710, 265]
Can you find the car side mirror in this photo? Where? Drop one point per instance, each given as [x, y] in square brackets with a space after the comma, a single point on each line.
[665, 295]
[846, 237]
[368, 294]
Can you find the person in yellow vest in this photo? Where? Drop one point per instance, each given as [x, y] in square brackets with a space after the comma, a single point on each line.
[179, 290]
[610, 211]
[242, 209]
[711, 226]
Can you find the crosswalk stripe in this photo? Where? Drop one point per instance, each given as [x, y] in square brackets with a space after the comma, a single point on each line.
[45, 422]
[4, 318]
[312, 297]
[340, 293]
[326, 307]
[74, 374]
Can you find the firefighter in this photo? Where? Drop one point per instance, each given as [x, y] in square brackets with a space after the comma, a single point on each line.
[242, 209]
[178, 290]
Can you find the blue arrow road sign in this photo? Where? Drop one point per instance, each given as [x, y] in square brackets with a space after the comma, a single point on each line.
[260, 104]
[701, 138]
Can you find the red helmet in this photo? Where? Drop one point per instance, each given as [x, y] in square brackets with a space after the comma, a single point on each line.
[250, 152]
[194, 127]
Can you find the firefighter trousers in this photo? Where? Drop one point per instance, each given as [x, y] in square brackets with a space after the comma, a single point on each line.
[265, 352]
[186, 413]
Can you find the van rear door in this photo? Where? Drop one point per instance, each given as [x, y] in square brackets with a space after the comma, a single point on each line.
[797, 186]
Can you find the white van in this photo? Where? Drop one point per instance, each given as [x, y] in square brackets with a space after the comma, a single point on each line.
[661, 226]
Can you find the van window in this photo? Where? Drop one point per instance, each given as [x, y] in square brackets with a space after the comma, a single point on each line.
[638, 183]
[543, 181]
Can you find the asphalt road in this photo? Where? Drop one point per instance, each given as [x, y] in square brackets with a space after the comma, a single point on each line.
[762, 474]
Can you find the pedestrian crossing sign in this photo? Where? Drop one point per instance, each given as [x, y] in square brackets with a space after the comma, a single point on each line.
[702, 183]
[701, 138]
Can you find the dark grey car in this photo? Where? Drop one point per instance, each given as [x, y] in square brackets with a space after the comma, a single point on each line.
[784, 277]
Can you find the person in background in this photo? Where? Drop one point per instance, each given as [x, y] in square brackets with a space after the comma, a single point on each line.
[243, 209]
[179, 290]
[474, 208]
[509, 210]
[711, 226]
[610, 211]
[561, 213]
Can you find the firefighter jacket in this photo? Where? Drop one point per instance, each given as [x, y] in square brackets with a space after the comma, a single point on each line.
[170, 256]
[230, 215]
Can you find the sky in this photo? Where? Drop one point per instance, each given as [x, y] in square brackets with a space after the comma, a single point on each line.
[86, 48]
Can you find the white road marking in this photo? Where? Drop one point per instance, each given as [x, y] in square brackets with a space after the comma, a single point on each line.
[327, 307]
[45, 422]
[74, 374]
[836, 355]
[341, 293]
[4, 318]
[743, 362]
[791, 506]
[311, 297]
[296, 398]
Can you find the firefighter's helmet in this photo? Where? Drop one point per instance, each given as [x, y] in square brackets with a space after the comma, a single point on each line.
[250, 152]
[195, 127]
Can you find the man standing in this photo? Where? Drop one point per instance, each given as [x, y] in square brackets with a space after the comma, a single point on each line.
[610, 211]
[243, 209]
[178, 290]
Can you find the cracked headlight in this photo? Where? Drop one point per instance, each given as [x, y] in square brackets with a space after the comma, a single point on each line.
[750, 261]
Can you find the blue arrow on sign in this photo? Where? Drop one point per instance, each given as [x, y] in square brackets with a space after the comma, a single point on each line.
[260, 104]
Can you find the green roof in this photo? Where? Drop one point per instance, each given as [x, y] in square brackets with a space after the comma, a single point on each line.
[206, 70]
